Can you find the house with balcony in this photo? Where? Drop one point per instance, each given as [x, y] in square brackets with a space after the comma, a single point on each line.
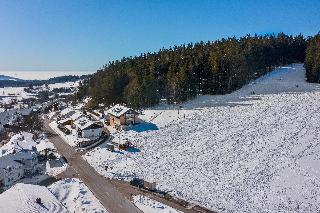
[16, 166]
[122, 116]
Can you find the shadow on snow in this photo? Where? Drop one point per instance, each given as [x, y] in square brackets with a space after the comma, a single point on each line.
[143, 127]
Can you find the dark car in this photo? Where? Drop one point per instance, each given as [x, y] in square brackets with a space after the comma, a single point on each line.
[64, 159]
[64, 129]
[137, 182]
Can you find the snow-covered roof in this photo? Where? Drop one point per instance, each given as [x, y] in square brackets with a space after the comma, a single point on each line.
[82, 121]
[118, 110]
[44, 145]
[26, 111]
[85, 123]
[77, 115]
[8, 116]
[22, 198]
[68, 112]
[8, 161]
[64, 120]
[18, 142]
[92, 125]
[11, 159]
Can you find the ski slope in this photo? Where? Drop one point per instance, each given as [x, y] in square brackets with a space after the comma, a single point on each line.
[254, 150]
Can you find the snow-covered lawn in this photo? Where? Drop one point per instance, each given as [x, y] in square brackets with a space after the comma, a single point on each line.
[118, 163]
[75, 196]
[148, 205]
[255, 150]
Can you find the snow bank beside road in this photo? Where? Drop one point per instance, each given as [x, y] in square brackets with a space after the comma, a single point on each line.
[76, 196]
[148, 205]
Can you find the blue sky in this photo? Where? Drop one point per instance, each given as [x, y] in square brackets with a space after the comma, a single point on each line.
[84, 35]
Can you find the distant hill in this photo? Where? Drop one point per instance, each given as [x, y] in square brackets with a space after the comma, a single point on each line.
[8, 78]
[7, 81]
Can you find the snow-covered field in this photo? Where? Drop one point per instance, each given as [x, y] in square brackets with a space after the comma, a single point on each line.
[12, 94]
[255, 150]
[148, 205]
[76, 196]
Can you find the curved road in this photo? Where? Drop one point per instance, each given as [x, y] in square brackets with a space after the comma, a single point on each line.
[100, 186]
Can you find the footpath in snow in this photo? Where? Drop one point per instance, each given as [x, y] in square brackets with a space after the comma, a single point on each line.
[255, 150]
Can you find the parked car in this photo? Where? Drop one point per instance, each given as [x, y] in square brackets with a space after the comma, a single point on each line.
[110, 147]
[64, 129]
[64, 159]
[137, 182]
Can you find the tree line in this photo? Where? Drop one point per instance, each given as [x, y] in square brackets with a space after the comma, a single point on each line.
[179, 73]
[312, 62]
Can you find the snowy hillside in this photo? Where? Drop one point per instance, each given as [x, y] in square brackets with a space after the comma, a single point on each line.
[255, 150]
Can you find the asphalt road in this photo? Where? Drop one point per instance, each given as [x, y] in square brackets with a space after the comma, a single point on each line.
[100, 186]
